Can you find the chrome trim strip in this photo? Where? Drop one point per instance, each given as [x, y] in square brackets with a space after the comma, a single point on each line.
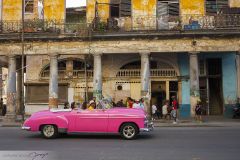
[26, 128]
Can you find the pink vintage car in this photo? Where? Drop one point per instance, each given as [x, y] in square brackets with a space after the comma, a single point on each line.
[105, 119]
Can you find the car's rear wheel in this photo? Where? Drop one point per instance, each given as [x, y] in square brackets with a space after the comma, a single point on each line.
[49, 131]
[129, 131]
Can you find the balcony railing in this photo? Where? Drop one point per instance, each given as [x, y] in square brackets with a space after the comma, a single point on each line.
[169, 23]
[230, 22]
[153, 73]
[45, 26]
[63, 74]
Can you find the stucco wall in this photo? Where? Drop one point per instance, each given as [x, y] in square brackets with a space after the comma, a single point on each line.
[103, 10]
[12, 10]
[191, 10]
[54, 9]
[234, 3]
[144, 14]
[183, 62]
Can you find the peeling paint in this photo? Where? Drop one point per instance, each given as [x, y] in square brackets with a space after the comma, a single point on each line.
[234, 3]
[54, 9]
[193, 10]
[103, 10]
[144, 14]
[11, 10]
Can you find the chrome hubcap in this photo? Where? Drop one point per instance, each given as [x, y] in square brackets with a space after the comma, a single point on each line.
[128, 131]
[48, 130]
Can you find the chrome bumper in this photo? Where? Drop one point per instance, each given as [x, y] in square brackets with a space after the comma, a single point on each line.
[26, 128]
[148, 126]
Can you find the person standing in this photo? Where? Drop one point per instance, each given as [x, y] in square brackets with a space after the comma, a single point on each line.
[154, 112]
[198, 111]
[174, 109]
[1, 106]
[165, 109]
[136, 105]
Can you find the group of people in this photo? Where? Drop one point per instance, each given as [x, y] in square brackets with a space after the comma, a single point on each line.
[91, 105]
[168, 110]
[130, 103]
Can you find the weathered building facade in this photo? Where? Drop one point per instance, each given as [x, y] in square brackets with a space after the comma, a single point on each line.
[127, 48]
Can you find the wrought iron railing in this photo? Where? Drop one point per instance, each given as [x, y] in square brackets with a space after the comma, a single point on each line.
[172, 23]
[126, 24]
[63, 74]
[45, 26]
[153, 73]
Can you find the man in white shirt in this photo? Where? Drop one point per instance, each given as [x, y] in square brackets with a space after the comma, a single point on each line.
[136, 105]
[154, 110]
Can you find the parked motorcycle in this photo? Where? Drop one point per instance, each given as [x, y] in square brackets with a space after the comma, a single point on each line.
[236, 111]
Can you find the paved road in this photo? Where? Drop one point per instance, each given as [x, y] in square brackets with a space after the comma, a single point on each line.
[180, 143]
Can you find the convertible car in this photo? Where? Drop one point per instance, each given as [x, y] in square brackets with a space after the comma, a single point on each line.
[105, 119]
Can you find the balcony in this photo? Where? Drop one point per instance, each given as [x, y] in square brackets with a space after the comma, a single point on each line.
[40, 29]
[168, 25]
[222, 24]
[65, 75]
[153, 73]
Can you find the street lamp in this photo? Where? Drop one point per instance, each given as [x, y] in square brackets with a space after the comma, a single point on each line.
[22, 63]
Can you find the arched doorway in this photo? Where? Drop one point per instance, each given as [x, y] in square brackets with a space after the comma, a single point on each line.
[163, 76]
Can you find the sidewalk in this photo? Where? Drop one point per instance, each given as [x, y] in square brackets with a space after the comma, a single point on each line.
[208, 121]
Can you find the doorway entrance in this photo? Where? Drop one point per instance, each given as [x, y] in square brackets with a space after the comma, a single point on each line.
[158, 89]
[215, 86]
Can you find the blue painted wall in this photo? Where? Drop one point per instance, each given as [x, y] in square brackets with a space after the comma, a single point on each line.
[229, 83]
[229, 79]
[185, 107]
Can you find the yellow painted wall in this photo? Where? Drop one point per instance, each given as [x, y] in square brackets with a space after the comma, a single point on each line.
[54, 9]
[144, 14]
[12, 10]
[192, 7]
[234, 3]
[103, 10]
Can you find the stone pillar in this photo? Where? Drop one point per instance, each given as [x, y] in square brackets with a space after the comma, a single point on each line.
[97, 77]
[53, 82]
[194, 81]
[1, 83]
[10, 116]
[145, 80]
[167, 91]
[19, 93]
[238, 73]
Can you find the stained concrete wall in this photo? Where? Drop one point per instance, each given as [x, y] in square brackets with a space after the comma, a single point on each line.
[11, 10]
[144, 14]
[185, 107]
[234, 3]
[54, 9]
[103, 10]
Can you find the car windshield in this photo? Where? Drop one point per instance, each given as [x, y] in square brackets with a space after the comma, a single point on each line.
[104, 104]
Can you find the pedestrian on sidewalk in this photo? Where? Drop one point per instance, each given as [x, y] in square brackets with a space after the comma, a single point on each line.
[174, 109]
[165, 109]
[154, 112]
[198, 111]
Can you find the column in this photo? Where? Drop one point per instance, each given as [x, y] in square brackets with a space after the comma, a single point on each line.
[53, 82]
[1, 83]
[19, 91]
[11, 92]
[194, 81]
[145, 80]
[97, 76]
[167, 91]
[238, 73]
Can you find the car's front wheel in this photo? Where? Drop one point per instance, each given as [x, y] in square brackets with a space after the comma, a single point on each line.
[49, 131]
[129, 131]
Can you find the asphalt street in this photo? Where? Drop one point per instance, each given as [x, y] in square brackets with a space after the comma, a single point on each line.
[166, 143]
